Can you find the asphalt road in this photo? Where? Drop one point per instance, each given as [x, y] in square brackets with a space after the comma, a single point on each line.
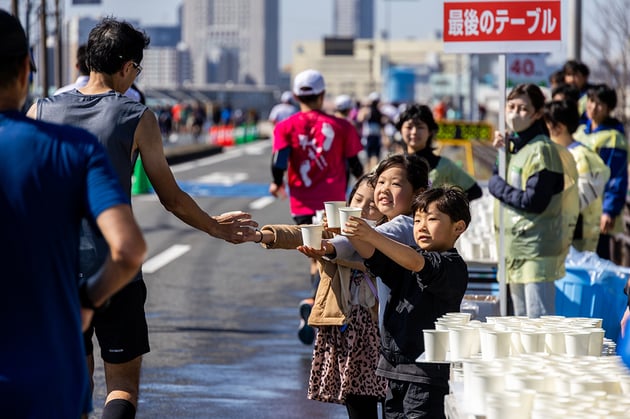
[222, 318]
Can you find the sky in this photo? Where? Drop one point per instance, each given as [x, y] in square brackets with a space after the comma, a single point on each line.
[299, 19]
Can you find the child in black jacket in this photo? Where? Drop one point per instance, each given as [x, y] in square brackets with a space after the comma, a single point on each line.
[425, 284]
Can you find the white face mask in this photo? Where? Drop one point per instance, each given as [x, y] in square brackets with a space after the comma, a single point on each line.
[517, 122]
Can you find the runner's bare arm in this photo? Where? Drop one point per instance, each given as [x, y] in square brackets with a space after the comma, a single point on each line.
[234, 227]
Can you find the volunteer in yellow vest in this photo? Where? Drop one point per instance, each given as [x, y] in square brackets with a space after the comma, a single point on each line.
[418, 128]
[540, 201]
[605, 135]
[562, 120]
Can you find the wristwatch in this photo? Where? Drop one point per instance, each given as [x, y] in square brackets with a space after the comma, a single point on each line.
[87, 303]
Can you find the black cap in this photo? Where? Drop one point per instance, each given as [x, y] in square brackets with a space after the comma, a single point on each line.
[13, 41]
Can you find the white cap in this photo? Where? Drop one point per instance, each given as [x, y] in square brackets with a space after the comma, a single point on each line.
[374, 97]
[286, 97]
[308, 82]
[343, 102]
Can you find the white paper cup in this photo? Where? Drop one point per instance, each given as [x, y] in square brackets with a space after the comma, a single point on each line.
[533, 341]
[554, 342]
[462, 317]
[312, 235]
[586, 384]
[344, 214]
[483, 384]
[495, 344]
[332, 212]
[436, 344]
[460, 342]
[577, 343]
[596, 341]
[319, 216]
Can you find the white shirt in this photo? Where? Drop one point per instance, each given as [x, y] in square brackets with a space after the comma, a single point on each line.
[80, 82]
[281, 112]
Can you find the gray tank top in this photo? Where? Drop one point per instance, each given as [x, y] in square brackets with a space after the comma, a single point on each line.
[111, 117]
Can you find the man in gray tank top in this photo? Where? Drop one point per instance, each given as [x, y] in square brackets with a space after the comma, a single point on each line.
[127, 129]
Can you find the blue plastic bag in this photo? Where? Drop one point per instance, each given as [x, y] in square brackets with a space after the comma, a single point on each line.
[623, 349]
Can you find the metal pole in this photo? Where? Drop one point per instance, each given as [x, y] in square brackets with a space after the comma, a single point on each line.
[574, 43]
[388, 23]
[43, 33]
[27, 29]
[474, 75]
[458, 100]
[14, 8]
[501, 276]
[58, 47]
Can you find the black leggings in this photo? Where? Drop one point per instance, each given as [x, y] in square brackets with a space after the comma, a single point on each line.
[362, 407]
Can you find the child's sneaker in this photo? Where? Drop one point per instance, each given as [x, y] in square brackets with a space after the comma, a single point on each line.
[306, 333]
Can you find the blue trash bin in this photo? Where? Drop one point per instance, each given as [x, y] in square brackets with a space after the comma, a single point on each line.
[577, 295]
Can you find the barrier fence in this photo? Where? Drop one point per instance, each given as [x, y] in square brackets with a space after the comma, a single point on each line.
[466, 135]
[229, 135]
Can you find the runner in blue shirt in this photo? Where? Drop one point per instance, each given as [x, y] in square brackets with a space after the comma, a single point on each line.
[51, 177]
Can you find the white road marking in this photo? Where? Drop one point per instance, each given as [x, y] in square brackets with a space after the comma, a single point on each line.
[261, 203]
[162, 259]
[226, 155]
[152, 197]
[258, 149]
[206, 161]
[223, 178]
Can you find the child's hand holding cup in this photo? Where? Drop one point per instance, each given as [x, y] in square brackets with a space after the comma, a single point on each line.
[332, 215]
[312, 235]
[344, 214]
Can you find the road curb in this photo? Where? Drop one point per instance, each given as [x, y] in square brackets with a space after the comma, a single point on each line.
[184, 153]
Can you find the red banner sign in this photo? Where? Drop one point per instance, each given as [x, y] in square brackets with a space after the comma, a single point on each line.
[501, 21]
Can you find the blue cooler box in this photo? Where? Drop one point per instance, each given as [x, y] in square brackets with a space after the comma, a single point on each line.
[576, 296]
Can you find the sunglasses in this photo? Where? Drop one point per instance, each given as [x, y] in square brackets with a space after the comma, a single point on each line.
[138, 68]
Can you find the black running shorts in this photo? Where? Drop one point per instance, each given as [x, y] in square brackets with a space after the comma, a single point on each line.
[121, 329]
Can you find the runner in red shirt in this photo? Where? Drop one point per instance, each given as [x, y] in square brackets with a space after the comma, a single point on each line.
[317, 150]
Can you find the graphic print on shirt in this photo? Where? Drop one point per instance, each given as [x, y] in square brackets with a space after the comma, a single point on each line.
[315, 153]
[404, 305]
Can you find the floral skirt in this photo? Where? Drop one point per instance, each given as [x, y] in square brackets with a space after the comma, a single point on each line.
[344, 362]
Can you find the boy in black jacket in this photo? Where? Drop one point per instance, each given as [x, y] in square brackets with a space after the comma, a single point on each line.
[425, 284]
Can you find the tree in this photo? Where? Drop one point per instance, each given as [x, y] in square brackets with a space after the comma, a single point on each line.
[607, 44]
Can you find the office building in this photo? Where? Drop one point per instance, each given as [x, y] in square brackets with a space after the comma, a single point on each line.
[354, 18]
[232, 40]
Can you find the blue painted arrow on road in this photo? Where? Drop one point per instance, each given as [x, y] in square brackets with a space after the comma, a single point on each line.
[247, 190]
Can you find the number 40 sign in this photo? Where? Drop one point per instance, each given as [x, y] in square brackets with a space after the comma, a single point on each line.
[526, 68]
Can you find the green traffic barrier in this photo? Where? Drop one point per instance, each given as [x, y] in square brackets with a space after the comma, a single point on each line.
[140, 183]
[240, 134]
[251, 133]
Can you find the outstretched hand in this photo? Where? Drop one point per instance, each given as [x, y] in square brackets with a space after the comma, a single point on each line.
[235, 227]
[311, 251]
[278, 191]
[358, 228]
[498, 140]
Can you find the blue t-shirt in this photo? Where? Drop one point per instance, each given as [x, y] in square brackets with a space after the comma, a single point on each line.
[50, 177]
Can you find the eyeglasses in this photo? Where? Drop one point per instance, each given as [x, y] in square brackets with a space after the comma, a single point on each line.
[138, 68]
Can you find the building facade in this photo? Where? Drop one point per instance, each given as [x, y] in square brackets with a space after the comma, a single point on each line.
[354, 18]
[232, 40]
